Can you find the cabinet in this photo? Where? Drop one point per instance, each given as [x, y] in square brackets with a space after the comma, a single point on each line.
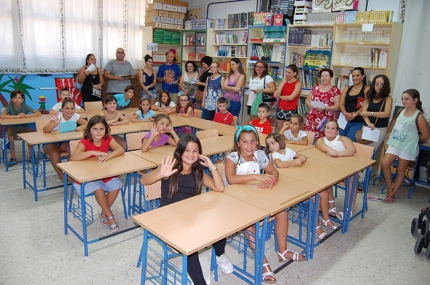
[193, 46]
[377, 51]
[225, 44]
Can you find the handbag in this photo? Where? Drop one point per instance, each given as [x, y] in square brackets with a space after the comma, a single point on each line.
[267, 97]
[96, 92]
[258, 100]
[359, 133]
[198, 95]
[68, 126]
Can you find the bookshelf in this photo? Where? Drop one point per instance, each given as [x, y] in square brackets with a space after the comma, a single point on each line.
[223, 44]
[376, 51]
[193, 46]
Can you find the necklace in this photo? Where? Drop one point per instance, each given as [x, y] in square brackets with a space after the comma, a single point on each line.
[356, 88]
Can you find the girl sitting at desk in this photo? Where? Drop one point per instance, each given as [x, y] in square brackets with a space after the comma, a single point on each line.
[164, 103]
[96, 144]
[293, 131]
[334, 145]
[114, 117]
[185, 109]
[243, 165]
[182, 177]
[67, 120]
[157, 136]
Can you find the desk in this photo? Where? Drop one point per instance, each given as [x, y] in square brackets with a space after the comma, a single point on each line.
[156, 154]
[201, 220]
[299, 148]
[83, 172]
[217, 145]
[207, 125]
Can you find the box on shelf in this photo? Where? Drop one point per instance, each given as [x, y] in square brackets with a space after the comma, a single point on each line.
[345, 5]
[153, 24]
[167, 26]
[182, 16]
[162, 1]
[178, 27]
[151, 19]
[174, 15]
[167, 20]
[181, 9]
[179, 22]
[154, 6]
[170, 8]
[380, 16]
[220, 23]
[200, 24]
[303, 3]
[322, 6]
[151, 13]
[162, 13]
[180, 3]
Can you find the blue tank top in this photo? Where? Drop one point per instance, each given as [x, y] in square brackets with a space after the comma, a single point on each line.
[148, 79]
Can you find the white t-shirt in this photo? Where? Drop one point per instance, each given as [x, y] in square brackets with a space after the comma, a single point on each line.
[290, 136]
[171, 105]
[257, 83]
[288, 156]
[335, 144]
[57, 107]
[74, 118]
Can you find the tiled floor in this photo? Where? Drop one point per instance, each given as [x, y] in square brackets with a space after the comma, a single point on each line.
[34, 249]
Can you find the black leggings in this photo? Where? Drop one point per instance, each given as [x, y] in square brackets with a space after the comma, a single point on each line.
[194, 267]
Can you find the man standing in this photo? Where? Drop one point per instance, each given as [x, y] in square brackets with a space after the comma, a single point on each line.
[169, 74]
[119, 72]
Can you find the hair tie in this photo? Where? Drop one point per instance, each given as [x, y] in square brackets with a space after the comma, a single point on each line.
[245, 128]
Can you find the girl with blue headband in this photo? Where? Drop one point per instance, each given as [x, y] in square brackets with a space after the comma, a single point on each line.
[244, 164]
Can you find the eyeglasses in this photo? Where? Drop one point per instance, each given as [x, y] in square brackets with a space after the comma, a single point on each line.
[183, 100]
[259, 66]
[214, 66]
[379, 84]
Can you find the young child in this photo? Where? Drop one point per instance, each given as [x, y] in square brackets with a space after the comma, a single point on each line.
[262, 124]
[144, 113]
[293, 131]
[223, 116]
[123, 100]
[406, 131]
[64, 93]
[164, 103]
[182, 177]
[96, 144]
[157, 136]
[54, 150]
[334, 145]
[243, 165]
[185, 108]
[114, 118]
[15, 110]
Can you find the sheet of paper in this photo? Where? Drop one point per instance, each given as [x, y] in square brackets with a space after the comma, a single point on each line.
[318, 104]
[342, 121]
[91, 68]
[371, 135]
[367, 28]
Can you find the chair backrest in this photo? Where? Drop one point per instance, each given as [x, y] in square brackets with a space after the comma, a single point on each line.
[311, 137]
[134, 140]
[363, 150]
[197, 113]
[234, 122]
[40, 124]
[207, 134]
[153, 191]
[73, 145]
[93, 106]
[221, 168]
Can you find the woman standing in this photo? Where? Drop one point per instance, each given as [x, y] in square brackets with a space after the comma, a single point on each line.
[377, 107]
[351, 103]
[148, 79]
[213, 92]
[329, 96]
[205, 63]
[188, 80]
[288, 93]
[90, 79]
[260, 80]
[234, 85]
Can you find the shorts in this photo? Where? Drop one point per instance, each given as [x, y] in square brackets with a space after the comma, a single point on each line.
[285, 115]
[113, 184]
[400, 153]
[145, 95]
[15, 130]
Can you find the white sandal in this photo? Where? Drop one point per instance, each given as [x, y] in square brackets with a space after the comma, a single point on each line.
[267, 274]
[326, 224]
[333, 213]
[296, 256]
[322, 235]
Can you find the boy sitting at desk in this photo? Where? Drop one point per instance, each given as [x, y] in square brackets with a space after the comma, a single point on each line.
[223, 116]
[64, 94]
[123, 100]
[17, 109]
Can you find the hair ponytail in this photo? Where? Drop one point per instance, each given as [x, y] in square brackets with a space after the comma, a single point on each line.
[415, 95]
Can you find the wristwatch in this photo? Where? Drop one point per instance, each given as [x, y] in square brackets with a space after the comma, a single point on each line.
[372, 114]
[213, 168]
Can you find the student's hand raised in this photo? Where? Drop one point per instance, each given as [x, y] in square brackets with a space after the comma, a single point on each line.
[166, 168]
[154, 130]
[205, 161]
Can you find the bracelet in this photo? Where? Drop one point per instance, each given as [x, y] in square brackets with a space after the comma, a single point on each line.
[372, 114]
[274, 180]
[213, 168]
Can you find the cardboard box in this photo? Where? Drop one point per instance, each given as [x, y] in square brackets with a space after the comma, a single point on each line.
[154, 25]
[345, 5]
[162, 1]
[170, 8]
[152, 19]
[180, 3]
[181, 9]
[187, 25]
[151, 13]
[162, 13]
[179, 22]
[322, 7]
[167, 20]
[178, 27]
[167, 26]
[201, 24]
[154, 6]
[182, 16]
[174, 15]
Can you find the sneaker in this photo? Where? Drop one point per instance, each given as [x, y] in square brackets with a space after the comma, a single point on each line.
[12, 161]
[225, 264]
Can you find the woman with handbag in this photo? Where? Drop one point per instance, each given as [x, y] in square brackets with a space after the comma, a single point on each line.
[205, 63]
[91, 79]
[213, 92]
[377, 109]
[328, 95]
[260, 80]
[288, 93]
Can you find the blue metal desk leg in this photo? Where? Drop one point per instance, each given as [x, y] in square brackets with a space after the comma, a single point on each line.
[34, 167]
[6, 162]
[143, 256]
[66, 225]
[313, 212]
[84, 220]
[24, 178]
[351, 200]
[184, 275]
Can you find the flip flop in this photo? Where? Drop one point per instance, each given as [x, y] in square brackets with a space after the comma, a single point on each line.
[389, 200]
[373, 198]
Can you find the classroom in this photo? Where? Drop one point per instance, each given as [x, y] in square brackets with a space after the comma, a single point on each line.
[43, 237]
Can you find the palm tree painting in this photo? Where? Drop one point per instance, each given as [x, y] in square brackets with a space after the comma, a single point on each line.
[3, 100]
[17, 83]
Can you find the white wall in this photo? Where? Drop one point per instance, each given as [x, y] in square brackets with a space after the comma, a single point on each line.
[220, 11]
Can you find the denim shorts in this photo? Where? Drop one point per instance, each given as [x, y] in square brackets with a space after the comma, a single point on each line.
[145, 95]
[113, 184]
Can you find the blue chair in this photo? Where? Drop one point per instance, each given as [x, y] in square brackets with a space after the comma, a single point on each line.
[407, 182]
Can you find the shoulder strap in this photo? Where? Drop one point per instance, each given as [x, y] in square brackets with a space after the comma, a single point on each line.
[416, 122]
[398, 113]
